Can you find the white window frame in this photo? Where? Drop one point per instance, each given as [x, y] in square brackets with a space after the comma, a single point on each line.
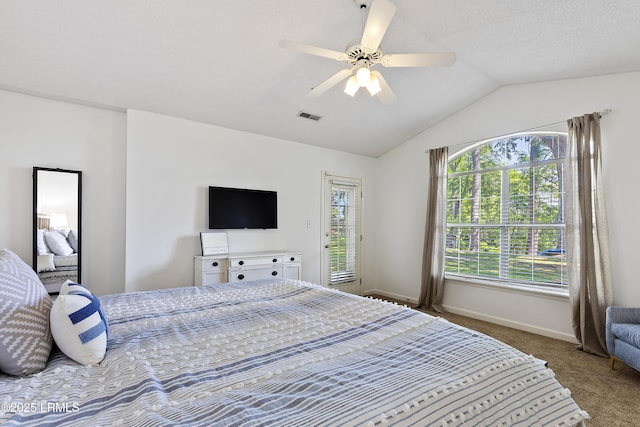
[503, 279]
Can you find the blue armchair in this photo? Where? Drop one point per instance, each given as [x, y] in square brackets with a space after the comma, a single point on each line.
[623, 335]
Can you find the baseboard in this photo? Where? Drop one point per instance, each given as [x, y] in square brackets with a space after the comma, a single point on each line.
[402, 298]
[512, 324]
[481, 316]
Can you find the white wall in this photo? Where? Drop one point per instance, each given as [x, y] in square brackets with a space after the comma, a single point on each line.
[41, 132]
[400, 214]
[170, 165]
[171, 162]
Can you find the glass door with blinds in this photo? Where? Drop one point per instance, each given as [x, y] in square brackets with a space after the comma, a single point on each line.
[341, 233]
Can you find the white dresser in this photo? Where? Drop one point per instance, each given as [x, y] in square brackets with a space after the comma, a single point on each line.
[213, 269]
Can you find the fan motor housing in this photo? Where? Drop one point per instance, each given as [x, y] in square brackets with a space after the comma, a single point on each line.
[357, 53]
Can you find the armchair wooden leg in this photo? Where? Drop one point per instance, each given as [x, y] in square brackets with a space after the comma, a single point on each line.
[611, 361]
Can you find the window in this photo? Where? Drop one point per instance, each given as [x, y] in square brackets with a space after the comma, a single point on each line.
[505, 211]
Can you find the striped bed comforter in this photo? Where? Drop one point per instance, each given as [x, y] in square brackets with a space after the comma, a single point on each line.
[288, 353]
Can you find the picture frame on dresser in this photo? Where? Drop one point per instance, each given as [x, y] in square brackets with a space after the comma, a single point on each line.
[214, 243]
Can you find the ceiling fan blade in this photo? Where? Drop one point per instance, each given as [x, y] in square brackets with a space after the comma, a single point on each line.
[443, 59]
[313, 50]
[386, 95]
[380, 15]
[330, 82]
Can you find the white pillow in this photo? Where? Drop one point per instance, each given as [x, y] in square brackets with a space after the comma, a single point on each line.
[69, 287]
[63, 231]
[45, 263]
[78, 324]
[57, 243]
[72, 238]
[41, 244]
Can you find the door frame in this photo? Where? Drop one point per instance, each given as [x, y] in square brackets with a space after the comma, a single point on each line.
[325, 263]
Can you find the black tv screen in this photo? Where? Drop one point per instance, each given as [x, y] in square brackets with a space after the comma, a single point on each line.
[237, 208]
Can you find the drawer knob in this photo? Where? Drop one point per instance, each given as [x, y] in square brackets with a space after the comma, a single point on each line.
[215, 263]
[240, 262]
[292, 259]
[240, 276]
[274, 273]
[275, 260]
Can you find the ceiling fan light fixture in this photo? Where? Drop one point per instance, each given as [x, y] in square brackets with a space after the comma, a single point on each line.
[363, 75]
[374, 85]
[364, 54]
[352, 86]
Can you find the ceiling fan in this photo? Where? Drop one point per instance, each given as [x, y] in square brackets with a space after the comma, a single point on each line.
[361, 56]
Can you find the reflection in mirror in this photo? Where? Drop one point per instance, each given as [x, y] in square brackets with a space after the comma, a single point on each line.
[57, 223]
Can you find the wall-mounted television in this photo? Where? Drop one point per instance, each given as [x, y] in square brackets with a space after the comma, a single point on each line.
[238, 208]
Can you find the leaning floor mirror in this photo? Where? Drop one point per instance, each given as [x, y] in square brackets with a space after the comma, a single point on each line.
[57, 220]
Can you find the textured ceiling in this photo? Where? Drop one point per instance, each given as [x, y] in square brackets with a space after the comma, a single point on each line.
[219, 62]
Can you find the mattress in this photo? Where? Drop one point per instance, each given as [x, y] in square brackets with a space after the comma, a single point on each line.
[65, 261]
[275, 353]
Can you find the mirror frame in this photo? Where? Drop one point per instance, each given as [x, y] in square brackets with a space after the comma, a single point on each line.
[35, 216]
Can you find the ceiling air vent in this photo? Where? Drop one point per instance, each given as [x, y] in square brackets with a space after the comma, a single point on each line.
[309, 116]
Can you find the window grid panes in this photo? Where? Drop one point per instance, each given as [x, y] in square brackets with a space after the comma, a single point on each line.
[505, 218]
[344, 260]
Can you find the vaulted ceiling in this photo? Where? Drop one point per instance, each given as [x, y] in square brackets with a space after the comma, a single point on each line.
[219, 62]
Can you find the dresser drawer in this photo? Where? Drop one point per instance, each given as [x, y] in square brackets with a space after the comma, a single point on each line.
[213, 278]
[214, 265]
[256, 261]
[255, 274]
[292, 258]
[210, 270]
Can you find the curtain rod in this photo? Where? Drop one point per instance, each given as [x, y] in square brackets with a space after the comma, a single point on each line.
[602, 113]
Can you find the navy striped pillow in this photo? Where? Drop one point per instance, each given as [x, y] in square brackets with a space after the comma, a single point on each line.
[70, 288]
[78, 324]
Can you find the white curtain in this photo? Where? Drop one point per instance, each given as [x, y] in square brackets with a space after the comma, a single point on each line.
[587, 235]
[432, 289]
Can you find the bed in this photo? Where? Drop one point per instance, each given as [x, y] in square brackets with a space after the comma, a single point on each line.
[57, 256]
[286, 353]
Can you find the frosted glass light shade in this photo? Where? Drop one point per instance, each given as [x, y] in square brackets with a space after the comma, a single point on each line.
[374, 85]
[352, 86]
[363, 75]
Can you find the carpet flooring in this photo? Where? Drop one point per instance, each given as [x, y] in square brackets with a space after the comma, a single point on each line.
[612, 398]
